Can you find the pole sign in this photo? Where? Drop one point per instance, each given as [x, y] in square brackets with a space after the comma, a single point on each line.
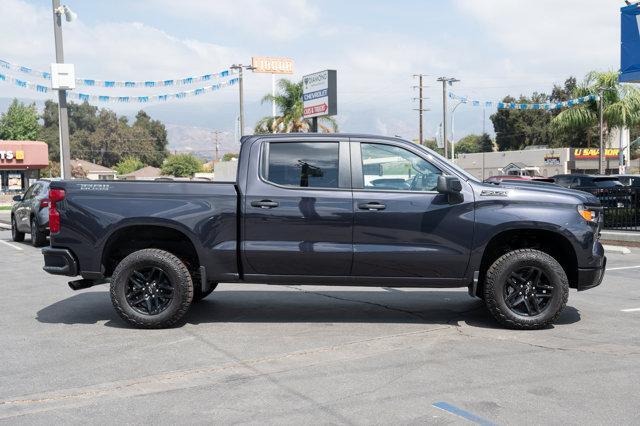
[271, 65]
[319, 92]
[630, 44]
[594, 153]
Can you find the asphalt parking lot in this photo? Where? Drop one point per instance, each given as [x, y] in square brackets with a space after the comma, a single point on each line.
[286, 354]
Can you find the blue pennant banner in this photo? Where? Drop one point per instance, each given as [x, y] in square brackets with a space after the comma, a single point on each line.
[535, 106]
[90, 82]
[120, 99]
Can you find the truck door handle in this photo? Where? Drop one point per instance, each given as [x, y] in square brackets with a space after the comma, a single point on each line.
[374, 205]
[264, 204]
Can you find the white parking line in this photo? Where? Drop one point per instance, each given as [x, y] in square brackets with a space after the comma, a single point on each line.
[630, 310]
[11, 245]
[623, 267]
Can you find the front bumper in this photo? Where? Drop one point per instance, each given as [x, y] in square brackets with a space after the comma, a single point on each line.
[591, 277]
[59, 262]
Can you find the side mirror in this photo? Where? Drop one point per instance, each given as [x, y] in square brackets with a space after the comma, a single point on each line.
[449, 185]
[17, 198]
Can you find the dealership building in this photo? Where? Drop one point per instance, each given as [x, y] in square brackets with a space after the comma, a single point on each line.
[541, 161]
[20, 164]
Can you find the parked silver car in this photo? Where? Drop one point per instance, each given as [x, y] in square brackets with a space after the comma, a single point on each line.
[30, 214]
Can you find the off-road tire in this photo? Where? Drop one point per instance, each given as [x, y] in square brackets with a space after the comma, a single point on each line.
[38, 237]
[178, 276]
[496, 280]
[16, 235]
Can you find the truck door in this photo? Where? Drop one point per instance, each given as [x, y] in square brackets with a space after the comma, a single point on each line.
[402, 226]
[298, 208]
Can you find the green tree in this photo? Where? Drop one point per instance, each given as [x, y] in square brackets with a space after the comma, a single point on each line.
[289, 103]
[230, 155]
[128, 165]
[103, 137]
[517, 129]
[467, 145]
[621, 106]
[157, 132]
[181, 165]
[485, 143]
[19, 122]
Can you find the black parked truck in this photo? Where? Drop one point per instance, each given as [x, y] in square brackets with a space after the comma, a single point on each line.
[332, 209]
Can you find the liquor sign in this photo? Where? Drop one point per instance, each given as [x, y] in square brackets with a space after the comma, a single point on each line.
[594, 153]
[319, 93]
[271, 65]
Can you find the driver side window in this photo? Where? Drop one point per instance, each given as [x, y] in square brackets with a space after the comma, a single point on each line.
[387, 167]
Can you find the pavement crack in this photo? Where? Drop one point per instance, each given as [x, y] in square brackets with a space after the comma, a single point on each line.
[345, 299]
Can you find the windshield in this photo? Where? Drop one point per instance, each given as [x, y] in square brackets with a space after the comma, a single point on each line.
[607, 183]
[464, 173]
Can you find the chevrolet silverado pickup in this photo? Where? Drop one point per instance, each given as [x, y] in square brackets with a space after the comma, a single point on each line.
[327, 209]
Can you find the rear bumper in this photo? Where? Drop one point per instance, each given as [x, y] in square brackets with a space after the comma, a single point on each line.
[591, 277]
[59, 262]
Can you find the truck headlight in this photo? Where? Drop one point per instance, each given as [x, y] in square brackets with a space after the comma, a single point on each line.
[588, 214]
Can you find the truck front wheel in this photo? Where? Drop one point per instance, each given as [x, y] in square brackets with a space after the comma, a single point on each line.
[526, 289]
[151, 288]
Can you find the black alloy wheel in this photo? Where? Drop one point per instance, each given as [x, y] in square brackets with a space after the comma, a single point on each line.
[527, 291]
[149, 290]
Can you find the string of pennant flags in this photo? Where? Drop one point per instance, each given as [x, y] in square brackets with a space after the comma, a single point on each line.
[531, 106]
[91, 82]
[120, 99]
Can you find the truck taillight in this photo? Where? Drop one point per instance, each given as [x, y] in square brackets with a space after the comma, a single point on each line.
[44, 203]
[55, 196]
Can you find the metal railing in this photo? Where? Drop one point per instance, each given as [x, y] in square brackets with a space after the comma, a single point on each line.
[621, 207]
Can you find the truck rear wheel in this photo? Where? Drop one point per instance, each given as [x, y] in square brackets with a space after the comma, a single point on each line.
[526, 289]
[151, 288]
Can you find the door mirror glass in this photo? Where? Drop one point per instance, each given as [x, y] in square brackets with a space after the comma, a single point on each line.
[449, 185]
[17, 198]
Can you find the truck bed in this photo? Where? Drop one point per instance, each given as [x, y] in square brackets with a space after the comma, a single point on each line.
[205, 212]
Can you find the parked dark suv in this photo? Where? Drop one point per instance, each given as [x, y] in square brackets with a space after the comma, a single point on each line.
[581, 182]
[30, 214]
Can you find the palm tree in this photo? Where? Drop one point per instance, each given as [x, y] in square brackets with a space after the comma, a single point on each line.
[621, 106]
[289, 102]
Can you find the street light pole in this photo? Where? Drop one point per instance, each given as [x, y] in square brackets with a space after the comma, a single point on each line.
[453, 139]
[601, 156]
[63, 118]
[241, 69]
[445, 81]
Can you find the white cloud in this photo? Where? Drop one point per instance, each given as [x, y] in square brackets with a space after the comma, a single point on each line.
[550, 36]
[277, 19]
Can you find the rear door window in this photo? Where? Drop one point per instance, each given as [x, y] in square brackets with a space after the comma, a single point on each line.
[303, 164]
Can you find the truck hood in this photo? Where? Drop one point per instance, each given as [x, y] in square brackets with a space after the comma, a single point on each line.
[540, 192]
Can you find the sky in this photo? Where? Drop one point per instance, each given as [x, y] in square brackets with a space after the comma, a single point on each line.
[494, 47]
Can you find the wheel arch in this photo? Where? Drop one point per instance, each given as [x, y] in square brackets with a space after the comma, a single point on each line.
[552, 242]
[137, 236]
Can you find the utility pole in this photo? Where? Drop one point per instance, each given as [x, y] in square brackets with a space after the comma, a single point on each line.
[601, 156]
[63, 118]
[216, 134]
[445, 81]
[420, 108]
[241, 68]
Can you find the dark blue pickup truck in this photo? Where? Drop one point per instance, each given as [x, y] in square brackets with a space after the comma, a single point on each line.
[334, 209]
